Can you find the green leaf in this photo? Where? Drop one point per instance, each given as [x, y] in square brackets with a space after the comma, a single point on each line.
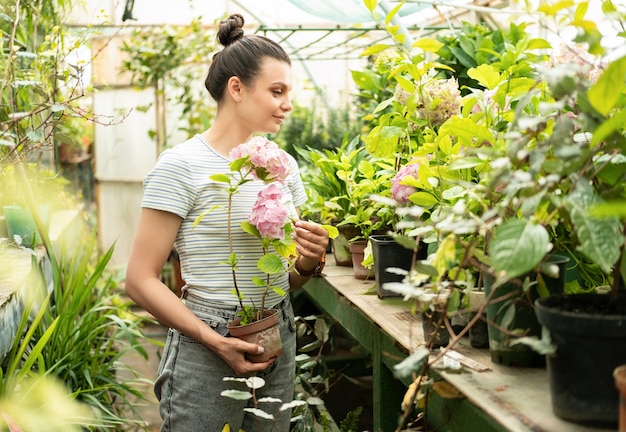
[412, 363]
[423, 199]
[255, 382]
[543, 346]
[57, 108]
[610, 126]
[237, 164]
[517, 246]
[333, 232]
[609, 87]
[292, 404]
[538, 43]
[315, 401]
[374, 49]
[250, 229]
[270, 264]
[382, 141]
[285, 250]
[600, 237]
[370, 4]
[384, 104]
[428, 44]
[393, 13]
[259, 413]
[221, 178]
[466, 128]
[486, 75]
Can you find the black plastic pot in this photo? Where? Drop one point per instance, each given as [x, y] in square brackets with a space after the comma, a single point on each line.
[589, 348]
[502, 350]
[434, 328]
[388, 253]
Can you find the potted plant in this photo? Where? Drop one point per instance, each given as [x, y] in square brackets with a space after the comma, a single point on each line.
[557, 187]
[367, 213]
[270, 222]
[515, 177]
[327, 176]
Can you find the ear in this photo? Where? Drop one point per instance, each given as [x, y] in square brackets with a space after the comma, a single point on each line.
[235, 88]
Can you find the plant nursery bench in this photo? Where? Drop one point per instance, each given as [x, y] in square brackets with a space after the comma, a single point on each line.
[483, 396]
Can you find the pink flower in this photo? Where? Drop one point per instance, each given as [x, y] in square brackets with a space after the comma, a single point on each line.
[269, 213]
[399, 191]
[268, 161]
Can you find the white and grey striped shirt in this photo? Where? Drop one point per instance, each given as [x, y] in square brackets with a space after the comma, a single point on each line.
[180, 184]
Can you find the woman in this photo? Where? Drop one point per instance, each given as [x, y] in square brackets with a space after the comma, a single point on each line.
[250, 79]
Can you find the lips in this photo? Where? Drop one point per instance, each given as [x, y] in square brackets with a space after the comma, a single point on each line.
[279, 119]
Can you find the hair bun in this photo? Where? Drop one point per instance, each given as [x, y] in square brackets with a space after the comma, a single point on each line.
[231, 29]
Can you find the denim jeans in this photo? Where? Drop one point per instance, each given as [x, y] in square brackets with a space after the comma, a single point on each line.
[190, 378]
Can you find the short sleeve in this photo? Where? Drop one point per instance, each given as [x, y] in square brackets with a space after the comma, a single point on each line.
[170, 185]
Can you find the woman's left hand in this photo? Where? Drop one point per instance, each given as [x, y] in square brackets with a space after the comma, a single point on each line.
[311, 242]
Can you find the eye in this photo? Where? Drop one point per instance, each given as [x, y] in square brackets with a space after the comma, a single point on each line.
[277, 92]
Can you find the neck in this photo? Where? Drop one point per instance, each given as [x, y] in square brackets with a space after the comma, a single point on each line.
[224, 136]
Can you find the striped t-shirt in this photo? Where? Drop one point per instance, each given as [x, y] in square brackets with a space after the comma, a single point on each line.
[180, 184]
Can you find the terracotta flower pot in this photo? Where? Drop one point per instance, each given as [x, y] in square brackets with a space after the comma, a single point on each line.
[264, 332]
[357, 249]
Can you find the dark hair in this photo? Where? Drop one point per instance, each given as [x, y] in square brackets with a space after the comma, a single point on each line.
[241, 56]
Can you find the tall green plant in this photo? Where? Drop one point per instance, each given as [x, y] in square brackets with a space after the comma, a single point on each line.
[79, 334]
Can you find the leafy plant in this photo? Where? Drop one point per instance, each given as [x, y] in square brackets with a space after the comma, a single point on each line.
[341, 184]
[530, 165]
[80, 330]
[40, 88]
[313, 380]
[269, 222]
[312, 128]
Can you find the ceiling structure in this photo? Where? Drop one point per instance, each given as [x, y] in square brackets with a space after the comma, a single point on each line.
[355, 28]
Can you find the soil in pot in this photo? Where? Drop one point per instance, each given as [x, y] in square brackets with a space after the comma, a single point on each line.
[357, 249]
[589, 346]
[264, 332]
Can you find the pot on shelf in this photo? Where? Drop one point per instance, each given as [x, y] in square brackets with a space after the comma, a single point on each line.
[589, 347]
[264, 332]
[388, 253]
[357, 250]
[522, 318]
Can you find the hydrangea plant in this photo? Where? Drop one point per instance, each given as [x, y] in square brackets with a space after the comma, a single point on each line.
[270, 220]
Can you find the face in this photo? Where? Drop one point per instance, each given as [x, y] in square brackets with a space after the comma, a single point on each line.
[265, 104]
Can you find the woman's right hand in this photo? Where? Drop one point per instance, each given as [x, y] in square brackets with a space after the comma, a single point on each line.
[233, 351]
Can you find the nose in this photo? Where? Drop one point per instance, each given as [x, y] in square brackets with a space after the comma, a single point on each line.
[286, 105]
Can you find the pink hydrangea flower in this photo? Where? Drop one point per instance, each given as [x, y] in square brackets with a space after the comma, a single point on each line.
[268, 161]
[399, 191]
[270, 213]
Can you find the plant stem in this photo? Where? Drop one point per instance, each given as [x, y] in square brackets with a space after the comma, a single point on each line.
[231, 248]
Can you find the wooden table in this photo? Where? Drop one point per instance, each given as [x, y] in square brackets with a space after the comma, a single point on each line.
[500, 399]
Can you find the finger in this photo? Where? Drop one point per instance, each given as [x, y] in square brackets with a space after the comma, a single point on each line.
[312, 227]
[310, 249]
